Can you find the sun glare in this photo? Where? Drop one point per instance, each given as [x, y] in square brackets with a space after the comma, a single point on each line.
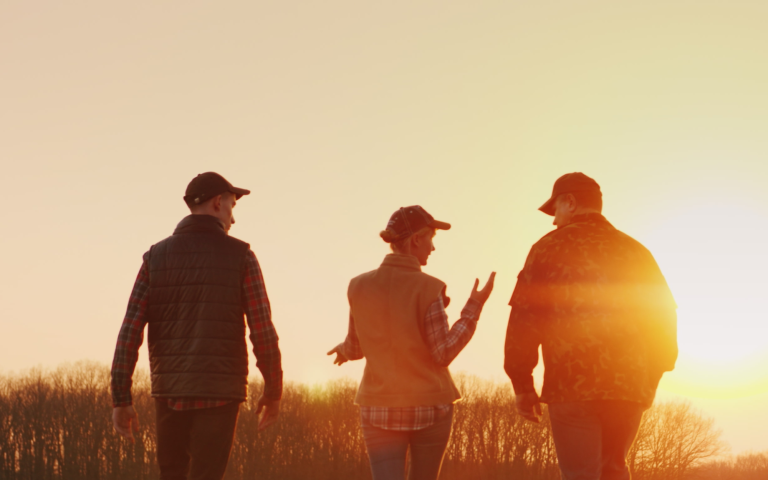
[714, 259]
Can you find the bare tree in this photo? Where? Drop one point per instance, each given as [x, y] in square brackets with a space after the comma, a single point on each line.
[673, 438]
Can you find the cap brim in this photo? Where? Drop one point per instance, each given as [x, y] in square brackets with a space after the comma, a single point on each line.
[239, 192]
[440, 225]
[549, 207]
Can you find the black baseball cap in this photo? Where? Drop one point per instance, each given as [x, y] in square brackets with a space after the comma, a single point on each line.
[408, 220]
[207, 185]
[569, 183]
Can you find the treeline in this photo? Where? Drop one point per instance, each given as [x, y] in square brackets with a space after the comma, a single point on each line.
[57, 425]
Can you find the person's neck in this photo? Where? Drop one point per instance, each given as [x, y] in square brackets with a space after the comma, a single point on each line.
[581, 213]
[210, 215]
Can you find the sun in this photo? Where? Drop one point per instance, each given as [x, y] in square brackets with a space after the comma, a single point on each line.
[715, 259]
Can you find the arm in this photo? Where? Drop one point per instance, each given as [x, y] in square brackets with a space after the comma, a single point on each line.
[659, 316]
[263, 335]
[129, 340]
[521, 347]
[350, 348]
[445, 342]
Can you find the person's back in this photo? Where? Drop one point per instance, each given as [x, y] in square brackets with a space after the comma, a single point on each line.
[192, 292]
[603, 305]
[196, 332]
[398, 323]
[596, 302]
[386, 305]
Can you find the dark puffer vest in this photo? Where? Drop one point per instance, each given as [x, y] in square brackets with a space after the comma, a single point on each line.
[196, 326]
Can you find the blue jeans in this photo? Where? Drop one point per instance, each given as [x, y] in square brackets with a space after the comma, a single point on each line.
[387, 450]
[593, 438]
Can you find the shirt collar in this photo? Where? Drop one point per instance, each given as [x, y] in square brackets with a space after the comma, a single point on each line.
[589, 218]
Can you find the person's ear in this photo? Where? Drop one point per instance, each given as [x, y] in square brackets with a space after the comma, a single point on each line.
[571, 202]
[216, 203]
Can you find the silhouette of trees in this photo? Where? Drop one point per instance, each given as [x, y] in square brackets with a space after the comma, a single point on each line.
[57, 425]
[673, 438]
[747, 466]
[491, 441]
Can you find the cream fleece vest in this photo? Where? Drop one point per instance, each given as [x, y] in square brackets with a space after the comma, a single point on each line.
[388, 306]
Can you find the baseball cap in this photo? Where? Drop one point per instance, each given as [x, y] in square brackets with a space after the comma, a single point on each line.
[408, 220]
[569, 183]
[207, 185]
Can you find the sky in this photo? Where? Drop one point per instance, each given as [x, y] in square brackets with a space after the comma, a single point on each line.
[336, 113]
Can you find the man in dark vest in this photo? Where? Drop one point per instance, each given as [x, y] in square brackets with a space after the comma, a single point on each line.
[193, 290]
[596, 302]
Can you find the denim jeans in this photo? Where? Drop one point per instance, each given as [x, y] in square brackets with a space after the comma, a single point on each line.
[593, 438]
[194, 444]
[387, 450]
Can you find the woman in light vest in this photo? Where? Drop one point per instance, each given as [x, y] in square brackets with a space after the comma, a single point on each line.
[398, 323]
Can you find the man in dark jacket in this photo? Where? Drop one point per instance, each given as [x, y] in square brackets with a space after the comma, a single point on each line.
[192, 292]
[596, 302]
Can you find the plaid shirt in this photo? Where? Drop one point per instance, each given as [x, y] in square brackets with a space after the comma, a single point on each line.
[263, 337]
[444, 345]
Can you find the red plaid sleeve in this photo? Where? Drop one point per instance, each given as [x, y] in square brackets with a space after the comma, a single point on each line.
[129, 340]
[263, 335]
[350, 347]
[445, 343]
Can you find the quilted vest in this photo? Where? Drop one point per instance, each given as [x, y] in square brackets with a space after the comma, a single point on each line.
[195, 316]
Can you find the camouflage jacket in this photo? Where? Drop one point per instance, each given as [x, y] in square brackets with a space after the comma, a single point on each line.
[597, 303]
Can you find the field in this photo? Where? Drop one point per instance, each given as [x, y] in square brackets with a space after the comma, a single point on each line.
[57, 425]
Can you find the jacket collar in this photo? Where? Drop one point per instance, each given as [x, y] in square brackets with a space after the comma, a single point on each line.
[594, 218]
[199, 224]
[396, 260]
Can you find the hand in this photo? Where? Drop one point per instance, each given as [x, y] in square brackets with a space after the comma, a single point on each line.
[126, 421]
[271, 411]
[482, 295]
[528, 406]
[340, 358]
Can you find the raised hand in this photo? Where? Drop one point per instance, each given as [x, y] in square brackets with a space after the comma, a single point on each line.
[340, 358]
[482, 295]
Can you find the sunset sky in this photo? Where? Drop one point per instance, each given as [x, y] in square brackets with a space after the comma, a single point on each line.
[337, 113]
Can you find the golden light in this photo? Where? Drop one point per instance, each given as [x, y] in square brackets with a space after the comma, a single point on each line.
[714, 257]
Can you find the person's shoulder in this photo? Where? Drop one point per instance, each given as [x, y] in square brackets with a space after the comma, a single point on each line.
[552, 239]
[362, 278]
[431, 280]
[158, 246]
[631, 243]
[239, 243]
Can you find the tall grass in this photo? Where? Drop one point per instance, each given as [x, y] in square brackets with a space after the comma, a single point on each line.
[57, 425]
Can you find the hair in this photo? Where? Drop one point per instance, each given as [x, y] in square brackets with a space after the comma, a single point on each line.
[390, 237]
[588, 199]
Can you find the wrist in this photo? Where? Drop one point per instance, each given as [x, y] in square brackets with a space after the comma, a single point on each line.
[523, 385]
[472, 309]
